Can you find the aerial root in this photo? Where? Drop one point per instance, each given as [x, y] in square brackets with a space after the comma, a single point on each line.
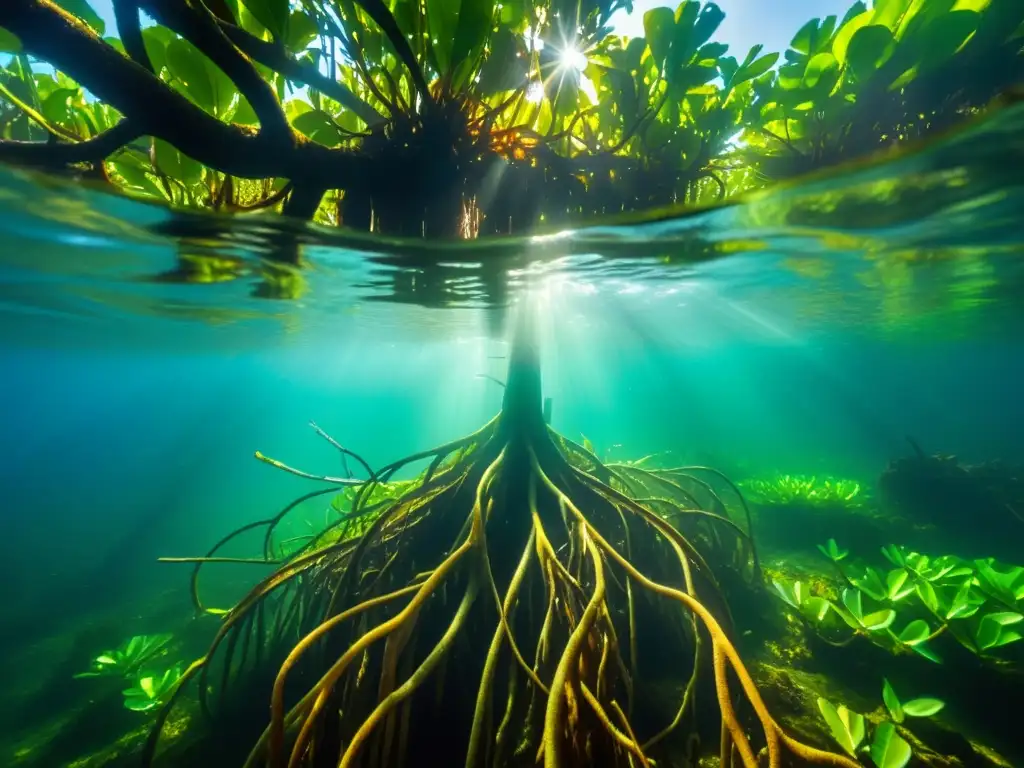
[580, 675]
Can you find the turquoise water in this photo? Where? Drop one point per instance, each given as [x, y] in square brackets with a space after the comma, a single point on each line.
[808, 330]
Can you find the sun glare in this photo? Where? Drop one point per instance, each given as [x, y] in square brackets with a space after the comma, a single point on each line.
[570, 58]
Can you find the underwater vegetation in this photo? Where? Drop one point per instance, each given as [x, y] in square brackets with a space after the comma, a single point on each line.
[129, 656]
[134, 661]
[518, 597]
[496, 116]
[907, 607]
[887, 748]
[803, 490]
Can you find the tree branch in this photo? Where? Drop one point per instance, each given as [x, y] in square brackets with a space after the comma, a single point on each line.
[194, 21]
[129, 29]
[275, 57]
[47, 154]
[51, 34]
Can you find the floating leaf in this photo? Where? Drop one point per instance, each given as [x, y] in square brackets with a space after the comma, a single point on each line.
[888, 749]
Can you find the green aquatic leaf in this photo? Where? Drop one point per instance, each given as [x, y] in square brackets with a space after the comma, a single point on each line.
[915, 632]
[926, 592]
[852, 600]
[892, 701]
[879, 620]
[818, 67]
[924, 707]
[888, 749]
[832, 551]
[847, 727]
[922, 649]
[992, 630]
[896, 585]
[871, 584]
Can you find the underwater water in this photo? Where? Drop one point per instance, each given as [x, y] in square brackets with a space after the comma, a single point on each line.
[828, 345]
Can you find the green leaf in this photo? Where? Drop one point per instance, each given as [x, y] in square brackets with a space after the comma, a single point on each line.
[175, 164]
[889, 13]
[708, 21]
[791, 593]
[443, 18]
[471, 31]
[832, 551]
[756, 68]
[659, 27]
[853, 603]
[895, 581]
[302, 31]
[892, 702]
[945, 35]
[915, 632]
[847, 727]
[9, 43]
[888, 749]
[923, 707]
[868, 50]
[84, 11]
[840, 44]
[203, 82]
[818, 65]
[272, 14]
[879, 620]
[56, 107]
[923, 650]
[927, 594]
[318, 126]
[502, 70]
[186, 65]
[146, 684]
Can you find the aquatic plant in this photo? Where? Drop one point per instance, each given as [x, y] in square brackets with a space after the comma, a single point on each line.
[151, 689]
[977, 602]
[804, 490]
[499, 601]
[129, 657]
[887, 750]
[899, 711]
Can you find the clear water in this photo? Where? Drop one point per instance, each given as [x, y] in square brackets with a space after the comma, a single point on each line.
[810, 329]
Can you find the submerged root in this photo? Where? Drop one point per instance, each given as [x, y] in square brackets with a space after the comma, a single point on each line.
[492, 614]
